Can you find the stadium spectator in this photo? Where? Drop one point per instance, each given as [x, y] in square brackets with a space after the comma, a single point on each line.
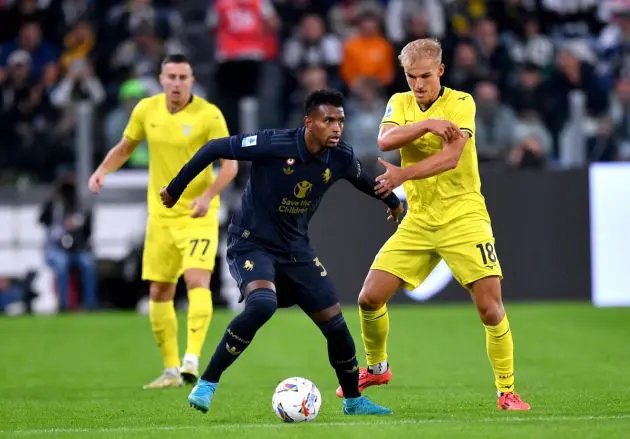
[571, 82]
[239, 28]
[494, 124]
[313, 47]
[78, 44]
[571, 20]
[465, 71]
[528, 93]
[43, 54]
[493, 53]
[79, 84]
[142, 53]
[310, 79]
[28, 118]
[68, 235]
[24, 11]
[364, 111]
[368, 54]
[533, 142]
[531, 45]
[409, 17]
[346, 14]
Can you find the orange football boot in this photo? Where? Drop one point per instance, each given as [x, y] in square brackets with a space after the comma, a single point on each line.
[512, 401]
[368, 379]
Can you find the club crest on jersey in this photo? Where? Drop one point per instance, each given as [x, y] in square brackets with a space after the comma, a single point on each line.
[388, 111]
[289, 170]
[187, 129]
[249, 141]
[326, 175]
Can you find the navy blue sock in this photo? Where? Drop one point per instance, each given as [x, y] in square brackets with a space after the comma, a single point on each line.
[259, 307]
[342, 354]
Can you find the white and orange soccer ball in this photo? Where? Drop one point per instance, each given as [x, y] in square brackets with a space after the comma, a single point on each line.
[296, 399]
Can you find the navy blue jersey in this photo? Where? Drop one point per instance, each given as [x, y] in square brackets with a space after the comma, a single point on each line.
[286, 183]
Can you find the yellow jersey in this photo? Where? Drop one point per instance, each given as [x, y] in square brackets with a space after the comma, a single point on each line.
[444, 197]
[173, 139]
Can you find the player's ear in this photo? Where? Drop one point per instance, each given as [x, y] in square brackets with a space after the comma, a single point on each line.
[308, 121]
[440, 70]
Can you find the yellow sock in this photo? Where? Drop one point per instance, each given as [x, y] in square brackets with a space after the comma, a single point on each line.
[164, 326]
[501, 354]
[199, 316]
[374, 331]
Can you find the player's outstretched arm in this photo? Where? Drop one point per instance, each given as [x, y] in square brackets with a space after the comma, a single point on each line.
[392, 136]
[211, 151]
[114, 159]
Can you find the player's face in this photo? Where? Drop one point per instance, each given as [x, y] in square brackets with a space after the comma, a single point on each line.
[423, 76]
[177, 80]
[326, 125]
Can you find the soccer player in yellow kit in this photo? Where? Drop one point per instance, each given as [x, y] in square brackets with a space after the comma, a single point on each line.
[182, 240]
[434, 129]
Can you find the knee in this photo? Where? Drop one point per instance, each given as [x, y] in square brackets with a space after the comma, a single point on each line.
[162, 291]
[261, 304]
[491, 311]
[369, 300]
[197, 278]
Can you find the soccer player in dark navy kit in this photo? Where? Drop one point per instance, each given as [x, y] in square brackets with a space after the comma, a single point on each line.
[269, 253]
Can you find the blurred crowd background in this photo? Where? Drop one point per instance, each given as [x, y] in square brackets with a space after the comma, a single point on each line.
[551, 79]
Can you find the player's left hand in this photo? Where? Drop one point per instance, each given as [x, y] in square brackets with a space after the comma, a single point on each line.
[167, 200]
[395, 215]
[390, 180]
[199, 206]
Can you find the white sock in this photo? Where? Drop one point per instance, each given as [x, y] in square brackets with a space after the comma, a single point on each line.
[191, 358]
[379, 368]
[171, 371]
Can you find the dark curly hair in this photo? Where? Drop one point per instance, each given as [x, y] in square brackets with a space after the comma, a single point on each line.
[322, 97]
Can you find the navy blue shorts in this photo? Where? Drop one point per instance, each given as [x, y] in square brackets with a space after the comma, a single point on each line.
[300, 279]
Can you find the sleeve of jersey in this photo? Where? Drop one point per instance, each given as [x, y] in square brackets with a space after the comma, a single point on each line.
[240, 147]
[366, 183]
[135, 127]
[395, 111]
[462, 114]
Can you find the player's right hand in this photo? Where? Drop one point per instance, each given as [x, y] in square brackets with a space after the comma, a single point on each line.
[445, 129]
[167, 200]
[96, 182]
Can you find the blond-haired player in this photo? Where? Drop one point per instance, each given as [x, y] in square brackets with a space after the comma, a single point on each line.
[434, 129]
[182, 240]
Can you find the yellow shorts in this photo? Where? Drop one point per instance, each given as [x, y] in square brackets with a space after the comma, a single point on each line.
[172, 246]
[466, 245]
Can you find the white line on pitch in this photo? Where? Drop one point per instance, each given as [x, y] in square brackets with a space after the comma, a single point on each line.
[383, 423]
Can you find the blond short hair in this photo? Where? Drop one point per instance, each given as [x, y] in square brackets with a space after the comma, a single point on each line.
[420, 49]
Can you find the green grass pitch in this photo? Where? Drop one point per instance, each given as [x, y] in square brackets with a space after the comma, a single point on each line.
[80, 376]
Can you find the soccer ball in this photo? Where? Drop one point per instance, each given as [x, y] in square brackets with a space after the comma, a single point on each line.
[296, 399]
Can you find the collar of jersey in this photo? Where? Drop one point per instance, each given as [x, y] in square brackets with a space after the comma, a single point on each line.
[305, 154]
[436, 99]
